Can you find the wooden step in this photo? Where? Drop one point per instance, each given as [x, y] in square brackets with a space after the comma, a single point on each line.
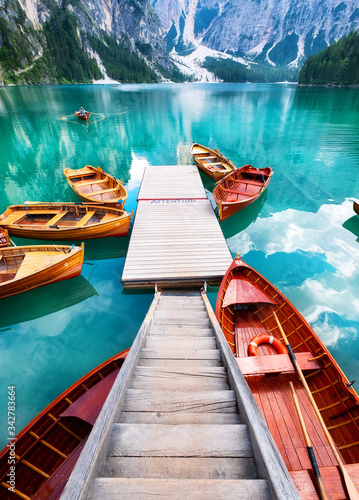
[177, 322]
[194, 440]
[181, 353]
[179, 363]
[182, 317]
[181, 468]
[177, 342]
[177, 489]
[184, 331]
[180, 379]
[190, 401]
[137, 417]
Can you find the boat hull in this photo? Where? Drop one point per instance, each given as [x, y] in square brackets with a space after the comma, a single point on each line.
[68, 267]
[84, 117]
[96, 186]
[240, 189]
[76, 409]
[356, 207]
[29, 227]
[245, 305]
[211, 162]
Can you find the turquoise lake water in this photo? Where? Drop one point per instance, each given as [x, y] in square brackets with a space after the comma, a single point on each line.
[302, 235]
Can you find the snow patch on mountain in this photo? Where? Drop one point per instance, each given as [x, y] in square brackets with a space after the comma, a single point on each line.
[191, 64]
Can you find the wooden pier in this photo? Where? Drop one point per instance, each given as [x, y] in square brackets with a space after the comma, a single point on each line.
[180, 420]
[176, 238]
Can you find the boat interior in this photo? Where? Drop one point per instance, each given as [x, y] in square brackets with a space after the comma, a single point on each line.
[60, 217]
[241, 185]
[48, 449]
[247, 312]
[18, 263]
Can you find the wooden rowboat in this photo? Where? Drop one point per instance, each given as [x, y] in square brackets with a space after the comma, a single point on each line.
[46, 450]
[86, 116]
[356, 207]
[65, 221]
[92, 184]
[245, 309]
[27, 267]
[211, 162]
[240, 188]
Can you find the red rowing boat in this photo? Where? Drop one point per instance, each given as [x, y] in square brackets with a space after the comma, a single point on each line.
[44, 453]
[245, 309]
[85, 116]
[240, 188]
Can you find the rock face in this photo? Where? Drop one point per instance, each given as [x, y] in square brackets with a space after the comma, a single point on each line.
[28, 31]
[44, 41]
[280, 32]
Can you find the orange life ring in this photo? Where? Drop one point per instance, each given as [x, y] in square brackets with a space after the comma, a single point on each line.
[265, 339]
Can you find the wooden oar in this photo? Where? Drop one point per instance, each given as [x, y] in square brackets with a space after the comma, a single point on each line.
[308, 444]
[349, 485]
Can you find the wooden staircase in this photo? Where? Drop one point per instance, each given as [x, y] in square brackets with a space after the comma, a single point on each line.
[178, 432]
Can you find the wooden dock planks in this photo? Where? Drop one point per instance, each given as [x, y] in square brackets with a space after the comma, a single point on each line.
[176, 236]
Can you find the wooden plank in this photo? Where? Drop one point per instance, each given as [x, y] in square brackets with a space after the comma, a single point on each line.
[170, 379]
[177, 489]
[181, 468]
[137, 417]
[85, 218]
[275, 364]
[163, 330]
[195, 440]
[171, 402]
[158, 362]
[160, 181]
[332, 482]
[172, 343]
[56, 218]
[180, 353]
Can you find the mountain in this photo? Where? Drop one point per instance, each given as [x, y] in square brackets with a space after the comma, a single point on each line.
[277, 32]
[336, 65]
[47, 41]
[43, 41]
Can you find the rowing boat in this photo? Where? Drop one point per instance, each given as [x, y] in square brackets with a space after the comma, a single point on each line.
[245, 309]
[92, 184]
[26, 267]
[46, 450]
[65, 221]
[356, 207]
[240, 188]
[211, 162]
[85, 116]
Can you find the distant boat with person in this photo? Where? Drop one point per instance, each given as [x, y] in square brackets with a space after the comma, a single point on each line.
[82, 114]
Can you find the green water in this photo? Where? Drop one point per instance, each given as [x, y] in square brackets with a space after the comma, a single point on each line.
[302, 235]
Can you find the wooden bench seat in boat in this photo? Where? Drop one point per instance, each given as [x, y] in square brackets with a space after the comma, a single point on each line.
[255, 365]
[88, 183]
[237, 192]
[331, 478]
[252, 183]
[56, 218]
[85, 218]
[34, 261]
[205, 157]
[103, 191]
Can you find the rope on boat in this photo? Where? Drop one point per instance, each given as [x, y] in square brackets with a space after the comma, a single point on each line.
[63, 250]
